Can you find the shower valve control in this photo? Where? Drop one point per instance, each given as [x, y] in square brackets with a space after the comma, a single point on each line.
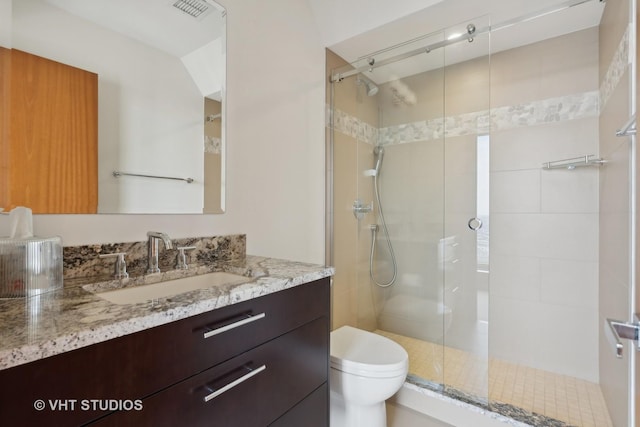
[360, 209]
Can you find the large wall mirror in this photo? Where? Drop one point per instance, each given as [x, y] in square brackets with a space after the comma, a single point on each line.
[160, 67]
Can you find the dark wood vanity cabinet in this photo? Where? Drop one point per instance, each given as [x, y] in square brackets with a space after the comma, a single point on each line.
[264, 362]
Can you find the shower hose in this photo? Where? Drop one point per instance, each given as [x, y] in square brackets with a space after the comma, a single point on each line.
[374, 229]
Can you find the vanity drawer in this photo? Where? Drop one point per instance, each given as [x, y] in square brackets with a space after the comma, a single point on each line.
[239, 327]
[253, 389]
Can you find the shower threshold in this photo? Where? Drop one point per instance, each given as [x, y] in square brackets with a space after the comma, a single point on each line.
[501, 412]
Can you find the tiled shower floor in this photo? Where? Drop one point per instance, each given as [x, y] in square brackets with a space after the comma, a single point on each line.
[573, 401]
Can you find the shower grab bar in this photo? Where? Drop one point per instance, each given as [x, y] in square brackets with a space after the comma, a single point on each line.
[616, 331]
[119, 174]
[628, 129]
[588, 160]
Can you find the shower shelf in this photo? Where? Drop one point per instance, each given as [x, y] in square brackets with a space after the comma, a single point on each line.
[570, 164]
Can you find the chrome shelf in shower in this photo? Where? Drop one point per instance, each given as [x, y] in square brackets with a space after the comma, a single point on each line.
[570, 164]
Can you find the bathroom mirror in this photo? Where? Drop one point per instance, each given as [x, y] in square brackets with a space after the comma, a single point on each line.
[160, 66]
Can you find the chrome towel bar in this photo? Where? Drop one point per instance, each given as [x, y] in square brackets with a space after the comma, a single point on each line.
[118, 174]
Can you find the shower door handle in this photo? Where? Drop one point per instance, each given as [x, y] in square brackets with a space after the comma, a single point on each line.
[475, 224]
[616, 331]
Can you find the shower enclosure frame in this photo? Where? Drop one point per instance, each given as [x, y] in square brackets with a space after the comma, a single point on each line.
[633, 190]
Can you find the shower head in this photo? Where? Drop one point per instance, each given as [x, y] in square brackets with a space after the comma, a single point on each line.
[378, 154]
[372, 89]
[370, 86]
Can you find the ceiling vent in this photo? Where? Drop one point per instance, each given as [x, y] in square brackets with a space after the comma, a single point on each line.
[195, 8]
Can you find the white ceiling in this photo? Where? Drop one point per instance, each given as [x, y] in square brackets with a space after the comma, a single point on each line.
[339, 20]
[454, 15]
[153, 22]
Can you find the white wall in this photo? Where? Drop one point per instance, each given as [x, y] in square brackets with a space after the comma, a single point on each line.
[275, 156]
[340, 19]
[5, 23]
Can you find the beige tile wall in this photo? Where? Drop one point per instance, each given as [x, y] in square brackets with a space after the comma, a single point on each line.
[544, 223]
[353, 300]
[614, 292]
[343, 306]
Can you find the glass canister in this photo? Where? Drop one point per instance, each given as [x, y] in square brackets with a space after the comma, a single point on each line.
[30, 266]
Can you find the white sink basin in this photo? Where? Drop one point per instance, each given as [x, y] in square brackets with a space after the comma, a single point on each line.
[142, 293]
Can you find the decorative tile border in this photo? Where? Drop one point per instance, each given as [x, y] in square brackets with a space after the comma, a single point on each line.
[212, 145]
[616, 70]
[353, 126]
[551, 110]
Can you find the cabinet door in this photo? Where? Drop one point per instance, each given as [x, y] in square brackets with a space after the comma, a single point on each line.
[251, 390]
[311, 412]
[52, 144]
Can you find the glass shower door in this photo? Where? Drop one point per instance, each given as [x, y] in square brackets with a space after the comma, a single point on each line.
[401, 174]
[463, 251]
[423, 167]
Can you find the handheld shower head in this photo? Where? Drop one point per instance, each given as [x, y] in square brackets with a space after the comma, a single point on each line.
[378, 154]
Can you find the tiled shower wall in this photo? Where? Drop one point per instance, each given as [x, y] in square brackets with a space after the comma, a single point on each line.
[544, 224]
[615, 292]
[352, 153]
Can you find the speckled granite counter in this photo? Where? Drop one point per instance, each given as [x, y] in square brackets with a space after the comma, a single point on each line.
[71, 318]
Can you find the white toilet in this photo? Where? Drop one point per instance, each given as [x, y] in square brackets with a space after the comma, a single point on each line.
[366, 369]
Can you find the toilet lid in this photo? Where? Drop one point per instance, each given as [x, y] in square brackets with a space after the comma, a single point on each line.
[364, 353]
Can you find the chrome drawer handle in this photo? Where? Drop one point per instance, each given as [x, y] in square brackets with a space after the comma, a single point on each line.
[233, 325]
[232, 384]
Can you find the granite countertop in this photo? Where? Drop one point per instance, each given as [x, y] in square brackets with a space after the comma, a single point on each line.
[72, 317]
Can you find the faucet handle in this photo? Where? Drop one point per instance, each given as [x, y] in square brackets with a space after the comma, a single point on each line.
[120, 271]
[181, 262]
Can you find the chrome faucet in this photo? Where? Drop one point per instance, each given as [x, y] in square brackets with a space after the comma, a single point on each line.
[154, 238]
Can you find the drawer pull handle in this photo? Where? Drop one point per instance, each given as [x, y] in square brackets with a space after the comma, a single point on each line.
[233, 325]
[232, 384]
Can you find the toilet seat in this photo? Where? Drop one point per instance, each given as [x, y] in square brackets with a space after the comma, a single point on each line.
[363, 353]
